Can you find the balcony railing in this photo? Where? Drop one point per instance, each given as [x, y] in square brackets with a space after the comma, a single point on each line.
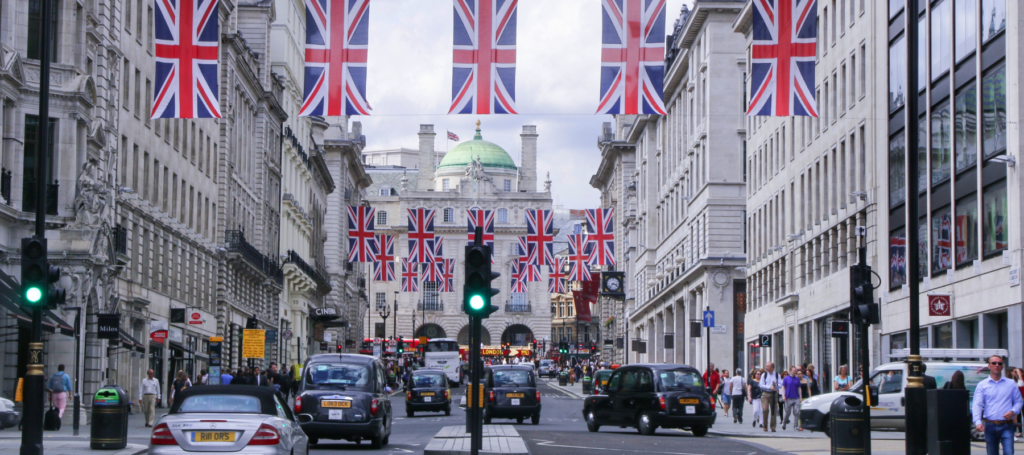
[518, 308]
[236, 243]
[430, 306]
[120, 240]
[5, 185]
[319, 276]
[29, 197]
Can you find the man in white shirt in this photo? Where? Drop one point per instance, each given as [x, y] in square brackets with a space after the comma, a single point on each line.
[770, 384]
[149, 394]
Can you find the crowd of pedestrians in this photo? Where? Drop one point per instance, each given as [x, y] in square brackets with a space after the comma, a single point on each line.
[773, 396]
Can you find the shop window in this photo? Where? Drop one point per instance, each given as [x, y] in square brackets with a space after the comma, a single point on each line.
[941, 142]
[897, 170]
[897, 258]
[993, 112]
[897, 70]
[898, 341]
[967, 229]
[943, 336]
[965, 124]
[942, 230]
[966, 28]
[967, 335]
[942, 22]
[994, 218]
[993, 18]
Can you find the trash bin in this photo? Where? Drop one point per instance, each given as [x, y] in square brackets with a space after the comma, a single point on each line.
[588, 385]
[563, 379]
[110, 407]
[850, 433]
[949, 422]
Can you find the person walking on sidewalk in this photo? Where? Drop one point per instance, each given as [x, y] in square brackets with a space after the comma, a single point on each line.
[712, 382]
[793, 395]
[59, 386]
[726, 392]
[179, 385]
[149, 394]
[738, 390]
[996, 401]
[770, 384]
[754, 396]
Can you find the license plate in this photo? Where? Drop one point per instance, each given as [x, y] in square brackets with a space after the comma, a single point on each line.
[427, 399]
[336, 404]
[691, 409]
[426, 394]
[515, 402]
[689, 400]
[213, 436]
[335, 414]
[515, 395]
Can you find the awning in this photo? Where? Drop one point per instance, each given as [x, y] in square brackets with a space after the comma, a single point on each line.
[9, 299]
[130, 342]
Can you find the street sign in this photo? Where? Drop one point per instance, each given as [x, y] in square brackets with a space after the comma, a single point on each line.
[253, 343]
[287, 334]
[376, 349]
[271, 336]
[709, 319]
[108, 326]
[719, 329]
[766, 341]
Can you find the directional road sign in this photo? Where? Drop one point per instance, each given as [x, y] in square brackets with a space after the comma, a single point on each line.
[709, 319]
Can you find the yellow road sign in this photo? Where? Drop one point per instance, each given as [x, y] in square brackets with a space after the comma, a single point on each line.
[253, 343]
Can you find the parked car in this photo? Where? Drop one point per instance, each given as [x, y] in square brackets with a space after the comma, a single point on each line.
[8, 416]
[230, 418]
[345, 397]
[601, 380]
[510, 392]
[648, 396]
[427, 390]
[548, 368]
[890, 380]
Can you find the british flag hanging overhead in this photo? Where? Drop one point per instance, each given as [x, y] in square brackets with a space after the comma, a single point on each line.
[632, 57]
[484, 219]
[421, 235]
[410, 279]
[433, 270]
[783, 46]
[448, 277]
[601, 235]
[186, 34]
[540, 233]
[579, 257]
[518, 283]
[556, 278]
[384, 258]
[360, 233]
[337, 34]
[484, 57]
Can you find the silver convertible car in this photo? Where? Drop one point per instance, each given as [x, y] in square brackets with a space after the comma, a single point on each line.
[231, 418]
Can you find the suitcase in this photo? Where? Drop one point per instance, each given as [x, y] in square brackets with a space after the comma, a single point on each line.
[51, 421]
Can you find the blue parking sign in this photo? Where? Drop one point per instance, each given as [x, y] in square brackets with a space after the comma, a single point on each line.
[709, 319]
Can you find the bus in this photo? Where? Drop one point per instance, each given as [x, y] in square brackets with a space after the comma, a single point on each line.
[409, 346]
[443, 354]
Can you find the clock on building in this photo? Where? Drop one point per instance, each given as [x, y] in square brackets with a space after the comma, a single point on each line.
[612, 284]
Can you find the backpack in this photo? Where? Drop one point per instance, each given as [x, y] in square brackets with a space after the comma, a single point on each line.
[59, 386]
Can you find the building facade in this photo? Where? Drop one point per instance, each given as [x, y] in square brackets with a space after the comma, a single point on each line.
[476, 174]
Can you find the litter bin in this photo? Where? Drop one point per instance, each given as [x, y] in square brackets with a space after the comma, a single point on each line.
[588, 384]
[850, 433]
[563, 379]
[110, 406]
[949, 422]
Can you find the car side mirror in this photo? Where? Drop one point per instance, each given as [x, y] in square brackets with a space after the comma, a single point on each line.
[305, 418]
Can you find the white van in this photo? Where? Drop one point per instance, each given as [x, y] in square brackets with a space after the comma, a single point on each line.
[890, 379]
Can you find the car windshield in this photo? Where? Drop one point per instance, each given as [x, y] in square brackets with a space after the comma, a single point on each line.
[511, 377]
[338, 375]
[427, 380]
[234, 404]
[680, 379]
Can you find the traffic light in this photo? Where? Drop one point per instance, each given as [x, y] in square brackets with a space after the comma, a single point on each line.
[339, 348]
[593, 347]
[401, 347]
[863, 309]
[37, 275]
[477, 291]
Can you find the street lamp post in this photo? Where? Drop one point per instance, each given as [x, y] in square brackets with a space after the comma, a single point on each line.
[394, 332]
[384, 312]
[916, 410]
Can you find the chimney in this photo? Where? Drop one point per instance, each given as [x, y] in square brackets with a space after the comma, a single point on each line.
[426, 175]
[528, 166]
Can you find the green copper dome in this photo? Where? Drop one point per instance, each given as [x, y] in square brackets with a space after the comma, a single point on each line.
[489, 154]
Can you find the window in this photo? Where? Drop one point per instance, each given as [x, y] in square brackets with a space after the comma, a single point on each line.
[35, 19]
[508, 185]
[127, 84]
[966, 28]
[993, 112]
[942, 22]
[138, 93]
[994, 218]
[895, 6]
[444, 185]
[863, 69]
[922, 53]
[431, 298]
[385, 190]
[149, 26]
[943, 336]
[897, 170]
[897, 70]
[128, 16]
[965, 124]
[382, 300]
[149, 102]
[966, 229]
[897, 258]
[503, 215]
[941, 142]
[993, 18]
[513, 248]
[942, 227]
[449, 215]
[382, 218]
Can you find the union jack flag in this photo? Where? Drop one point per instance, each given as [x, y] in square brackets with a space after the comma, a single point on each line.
[556, 279]
[579, 257]
[540, 232]
[360, 234]
[897, 261]
[518, 278]
[484, 219]
[337, 34]
[410, 279]
[600, 229]
[384, 258]
[632, 57]
[448, 281]
[433, 270]
[484, 57]
[421, 235]
[186, 34]
[785, 35]
[943, 246]
[453, 137]
[527, 270]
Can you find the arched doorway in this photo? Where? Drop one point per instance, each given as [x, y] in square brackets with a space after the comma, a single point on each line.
[517, 334]
[463, 338]
[430, 331]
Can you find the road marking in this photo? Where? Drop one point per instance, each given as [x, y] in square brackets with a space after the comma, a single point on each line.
[541, 442]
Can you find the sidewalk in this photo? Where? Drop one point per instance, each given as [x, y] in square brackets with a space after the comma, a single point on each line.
[70, 447]
[724, 427]
[136, 430]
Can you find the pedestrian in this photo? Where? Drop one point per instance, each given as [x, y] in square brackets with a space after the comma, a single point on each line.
[841, 382]
[204, 377]
[770, 383]
[712, 382]
[738, 391]
[1018, 378]
[996, 401]
[791, 397]
[179, 385]
[59, 386]
[726, 390]
[813, 377]
[754, 396]
[239, 378]
[226, 377]
[149, 395]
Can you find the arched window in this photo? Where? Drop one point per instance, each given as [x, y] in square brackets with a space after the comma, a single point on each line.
[449, 215]
[502, 215]
[382, 218]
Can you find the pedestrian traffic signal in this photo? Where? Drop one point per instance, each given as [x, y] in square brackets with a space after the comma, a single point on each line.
[37, 275]
[863, 309]
[401, 348]
[477, 291]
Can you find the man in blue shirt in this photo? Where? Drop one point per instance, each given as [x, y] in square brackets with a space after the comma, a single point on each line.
[791, 396]
[996, 401]
[59, 388]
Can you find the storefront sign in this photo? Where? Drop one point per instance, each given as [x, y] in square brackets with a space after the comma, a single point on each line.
[272, 336]
[940, 305]
[158, 331]
[325, 314]
[107, 326]
[177, 315]
[491, 352]
[195, 318]
[1015, 277]
[175, 334]
[840, 329]
[253, 343]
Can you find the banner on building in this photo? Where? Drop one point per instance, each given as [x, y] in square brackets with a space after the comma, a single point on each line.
[586, 296]
[940, 305]
[158, 331]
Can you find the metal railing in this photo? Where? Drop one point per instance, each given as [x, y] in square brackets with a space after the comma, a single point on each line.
[236, 243]
[29, 197]
[120, 240]
[318, 276]
[518, 308]
[430, 306]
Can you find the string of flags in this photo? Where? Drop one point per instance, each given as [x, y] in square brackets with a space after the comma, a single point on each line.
[426, 261]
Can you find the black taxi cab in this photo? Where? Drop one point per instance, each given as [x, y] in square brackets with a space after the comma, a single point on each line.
[427, 390]
[345, 397]
[648, 396]
[511, 393]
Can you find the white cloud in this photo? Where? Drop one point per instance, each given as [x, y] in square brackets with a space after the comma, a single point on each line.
[558, 59]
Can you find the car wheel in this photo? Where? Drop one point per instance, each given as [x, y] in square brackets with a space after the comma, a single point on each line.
[313, 441]
[487, 417]
[519, 420]
[646, 427]
[699, 431]
[410, 413]
[592, 422]
[535, 419]
[386, 440]
[826, 427]
[377, 442]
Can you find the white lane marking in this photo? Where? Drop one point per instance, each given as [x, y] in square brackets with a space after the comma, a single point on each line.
[552, 444]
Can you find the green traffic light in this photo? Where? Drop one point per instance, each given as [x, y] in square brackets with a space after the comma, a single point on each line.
[476, 302]
[34, 295]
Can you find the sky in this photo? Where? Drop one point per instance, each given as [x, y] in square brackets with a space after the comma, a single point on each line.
[557, 76]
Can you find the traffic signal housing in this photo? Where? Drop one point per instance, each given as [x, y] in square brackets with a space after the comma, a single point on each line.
[863, 309]
[35, 273]
[477, 291]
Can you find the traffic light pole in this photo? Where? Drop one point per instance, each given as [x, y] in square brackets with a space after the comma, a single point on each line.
[477, 294]
[476, 424]
[862, 346]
